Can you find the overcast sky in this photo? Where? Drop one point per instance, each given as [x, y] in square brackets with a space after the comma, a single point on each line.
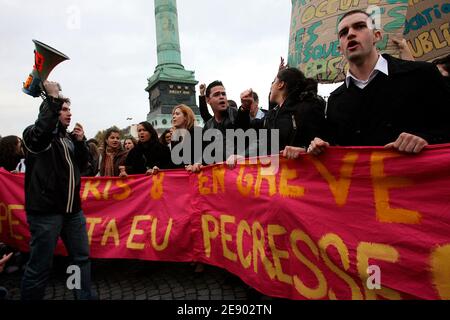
[112, 47]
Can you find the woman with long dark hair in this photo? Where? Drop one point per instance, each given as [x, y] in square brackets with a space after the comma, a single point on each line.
[299, 114]
[149, 155]
[165, 137]
[11, 152]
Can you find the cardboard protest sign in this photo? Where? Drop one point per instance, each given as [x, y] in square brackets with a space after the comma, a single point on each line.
[314, 45]
[427, 29]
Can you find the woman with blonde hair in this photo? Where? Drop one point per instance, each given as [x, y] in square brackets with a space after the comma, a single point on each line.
[183, 117]
[183, 127]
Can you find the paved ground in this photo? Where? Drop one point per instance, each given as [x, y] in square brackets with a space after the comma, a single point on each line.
[144, 280]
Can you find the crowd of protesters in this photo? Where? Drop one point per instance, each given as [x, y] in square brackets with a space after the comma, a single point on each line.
[384, 101]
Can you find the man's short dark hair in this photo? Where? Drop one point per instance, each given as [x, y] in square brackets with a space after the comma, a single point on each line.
[351, 12]
[445, 61]
[212, 85]
[232, 104]
[255, 96]
[92, 140]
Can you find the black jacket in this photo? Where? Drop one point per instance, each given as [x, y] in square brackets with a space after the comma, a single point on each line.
[413, 98]
[147, 155]
[232, 119]
[203, 107]
[299, 121]
[54, 160]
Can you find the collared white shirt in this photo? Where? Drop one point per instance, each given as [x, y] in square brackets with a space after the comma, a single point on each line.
[259, 115]
[381, 66]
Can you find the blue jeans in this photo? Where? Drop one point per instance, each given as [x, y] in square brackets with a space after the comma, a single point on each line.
[45, 230]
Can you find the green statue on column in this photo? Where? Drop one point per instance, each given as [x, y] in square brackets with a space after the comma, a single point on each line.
[171, 84]
[169, 54]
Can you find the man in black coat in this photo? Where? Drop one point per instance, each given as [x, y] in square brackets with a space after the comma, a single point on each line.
[52, 196]
[384, 101]
[225, 118]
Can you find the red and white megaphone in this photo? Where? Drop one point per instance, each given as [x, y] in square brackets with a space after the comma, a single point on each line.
[45, 59]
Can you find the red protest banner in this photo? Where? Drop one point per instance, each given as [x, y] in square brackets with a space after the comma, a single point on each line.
[354, 223]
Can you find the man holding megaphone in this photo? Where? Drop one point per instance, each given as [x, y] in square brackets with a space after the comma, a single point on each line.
[52, 195]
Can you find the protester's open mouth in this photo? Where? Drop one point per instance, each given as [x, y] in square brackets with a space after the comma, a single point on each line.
[352, 45]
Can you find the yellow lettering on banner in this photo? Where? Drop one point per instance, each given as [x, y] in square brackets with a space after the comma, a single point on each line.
[163, 246]
[13, 222]
[445, 28]
[440, 269]
[156, 192]
[379, 251]
[332, 239]
[135, 232]
[106, 190]
[248, 179]
[126, 191]
[311, 293]
[92, 222]
[287, 190]
[259, 246]
[339, 188]
[4, 216]
[247, 260]
[111, 232]
[202, 180]
[271, 180]
[218, 177]
[381, 186]
[227, 253]
[91, 187]
[209, 234]
[277, 254]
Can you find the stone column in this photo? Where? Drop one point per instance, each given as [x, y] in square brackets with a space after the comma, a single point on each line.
[167, 37]
[171, 84]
